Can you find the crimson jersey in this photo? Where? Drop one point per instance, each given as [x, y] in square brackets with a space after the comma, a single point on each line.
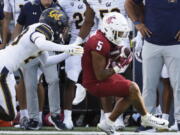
[115, 85]
[97, 43]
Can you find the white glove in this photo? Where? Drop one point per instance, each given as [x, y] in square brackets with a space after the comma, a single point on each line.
[119, 69]
[74, 50]
[138, 40]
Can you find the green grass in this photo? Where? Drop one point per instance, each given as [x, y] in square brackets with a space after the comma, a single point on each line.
[131, 129]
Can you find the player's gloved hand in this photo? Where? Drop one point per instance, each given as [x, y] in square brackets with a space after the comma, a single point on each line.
[138, 40]
[125, 56]
[118, 69]
[74, 50]
[123, 63]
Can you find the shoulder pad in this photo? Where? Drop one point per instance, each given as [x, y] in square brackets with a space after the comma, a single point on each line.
[44, 29]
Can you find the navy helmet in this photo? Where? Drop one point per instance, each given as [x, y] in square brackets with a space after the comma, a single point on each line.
[56, 19]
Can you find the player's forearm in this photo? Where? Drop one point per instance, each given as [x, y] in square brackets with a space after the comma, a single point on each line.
[5, 29]
[88, 22]
[103, 75]
[85, 30]
[45, 45]
[134, 11]
[17, 30]
[47, 60]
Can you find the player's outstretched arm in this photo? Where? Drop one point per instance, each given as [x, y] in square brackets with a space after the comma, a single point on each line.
[44, 45]
[47, 60]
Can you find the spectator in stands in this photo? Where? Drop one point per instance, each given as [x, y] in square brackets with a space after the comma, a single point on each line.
[161, 46]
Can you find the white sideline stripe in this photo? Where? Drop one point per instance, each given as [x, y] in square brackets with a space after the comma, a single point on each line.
[81, 133]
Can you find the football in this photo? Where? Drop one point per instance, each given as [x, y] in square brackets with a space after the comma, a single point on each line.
[119, 51]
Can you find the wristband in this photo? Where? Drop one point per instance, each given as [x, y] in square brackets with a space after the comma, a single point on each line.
[116, 69]
[136, 22]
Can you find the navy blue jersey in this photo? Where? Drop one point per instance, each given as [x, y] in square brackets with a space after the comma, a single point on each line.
[1, 11]
[31, 12]
[162, 17]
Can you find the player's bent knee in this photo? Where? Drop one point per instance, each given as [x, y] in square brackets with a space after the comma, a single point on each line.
[134, 89]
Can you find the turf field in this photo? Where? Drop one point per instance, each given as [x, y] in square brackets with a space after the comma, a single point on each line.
[76, 131]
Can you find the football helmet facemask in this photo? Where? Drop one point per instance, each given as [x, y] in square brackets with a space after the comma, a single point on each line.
[115, 27]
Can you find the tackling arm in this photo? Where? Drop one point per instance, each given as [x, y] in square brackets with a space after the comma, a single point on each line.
[44, 45]
[47, 60]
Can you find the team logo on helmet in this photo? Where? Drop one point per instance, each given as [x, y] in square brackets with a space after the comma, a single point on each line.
[55, 14]
[109, 20]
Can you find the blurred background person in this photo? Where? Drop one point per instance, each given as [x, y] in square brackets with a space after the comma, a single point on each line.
[75, 10]
[161, 46]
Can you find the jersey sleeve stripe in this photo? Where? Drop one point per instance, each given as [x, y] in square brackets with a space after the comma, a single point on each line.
[46, 31]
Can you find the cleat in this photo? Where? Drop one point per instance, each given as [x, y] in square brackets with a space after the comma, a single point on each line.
[55, 121]
[119, 123]
[23, 123]
[33, 125]
[69, 124]
[109, 129]
[174, 127]
[152, 121]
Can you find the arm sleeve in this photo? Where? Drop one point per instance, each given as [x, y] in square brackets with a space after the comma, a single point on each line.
[47, 60]
[44, 45]
[7, 6]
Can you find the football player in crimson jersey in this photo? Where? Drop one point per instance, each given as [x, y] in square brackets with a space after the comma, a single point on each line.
[103, 82]
[96, 9]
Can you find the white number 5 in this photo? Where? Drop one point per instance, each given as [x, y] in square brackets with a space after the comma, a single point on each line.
[99, 45]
